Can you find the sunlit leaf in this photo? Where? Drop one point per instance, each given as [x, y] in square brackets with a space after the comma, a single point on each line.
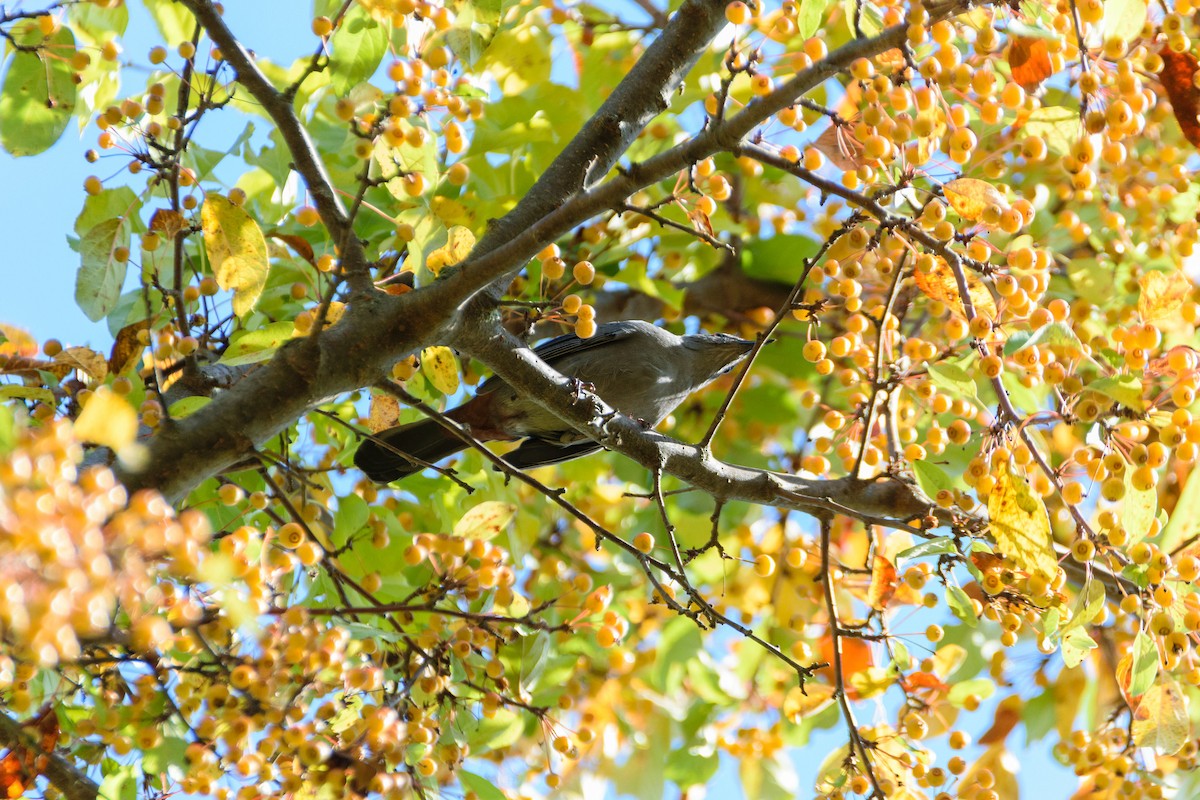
[1076, 644]
[86, 360]
[1162, 294]
[357, 47]
[969, 197]
[37, 96]
[459, 242]
[441, 368]
[107, 420]
[518, 58]
[485, 520]
[101, 275]
[1020, 526]
[939, 284]
[237, 250]
[1029, 60]
[797, 704]
[1161, 719]
[1143, 666]
[1125, 389]
[1139, 508]
[883, 582]
[1058, 125]
[961, 605]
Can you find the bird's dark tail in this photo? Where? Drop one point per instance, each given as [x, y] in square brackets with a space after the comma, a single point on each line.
[426, 441]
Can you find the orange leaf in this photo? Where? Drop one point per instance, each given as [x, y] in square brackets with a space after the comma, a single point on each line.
[1178, 78]
[856, 657]
[1008, 715]
[883, 583]
[939, 284]
[1029, 61]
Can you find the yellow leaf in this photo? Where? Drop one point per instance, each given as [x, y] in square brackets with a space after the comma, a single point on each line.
[872, 682]
[107, 420]
[969, 197]
[518, 58]
[939, 284]
[797, 705]
[947, 659]
[459, 242]
[1161, 719]
[485, 520]
[86, 360]
[451, 212]
[385, 411]
[1162, 294]
[1068, 696]
[441, 368]
[237, 249]
[1020, 526]
[1002, 765]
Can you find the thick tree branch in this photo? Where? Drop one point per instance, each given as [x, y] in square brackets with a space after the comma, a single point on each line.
[73, 784]
[380, 329]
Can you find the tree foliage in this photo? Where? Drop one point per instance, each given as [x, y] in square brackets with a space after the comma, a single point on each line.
[952, 491]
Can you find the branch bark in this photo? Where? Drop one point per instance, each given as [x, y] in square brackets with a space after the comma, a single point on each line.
[61, 773]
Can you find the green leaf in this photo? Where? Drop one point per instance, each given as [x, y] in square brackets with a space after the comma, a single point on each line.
[188, 406]
[1185, 517]
[1139, 507]
[99, 23]
[941, 546]
[100, 278]
[1075, 646]
[1053, 334]
[518, 58]
[169, 753]
[812, 13]
[960, 604]
[1018, 27]
[983, 688]
[1125, 389]
[769, 778]
[1092, 280]
[1089, 606]
[954, 379]
[480, 786]
[14, 391]
[357, 47]
[120, 782]
[931, 478]
[37, 97]
[1058, 125]
[900, 656]
[351, 515]
[1123, 19]
[780, 258]
[692, 766]
[1144, 668]
[174, 22]
[1050, 622]
[534, 656]
[251, 347]
[118, 202]
[679, 644]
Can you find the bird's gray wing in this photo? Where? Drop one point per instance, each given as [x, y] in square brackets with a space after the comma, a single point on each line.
[569, 344]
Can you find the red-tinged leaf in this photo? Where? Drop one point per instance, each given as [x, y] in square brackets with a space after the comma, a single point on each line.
[168, 223]
[1029, 61]
[299, 245]
[915, 681]
[1178, 78]
[883, 583]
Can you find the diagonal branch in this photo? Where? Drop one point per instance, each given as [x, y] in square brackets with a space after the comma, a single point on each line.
[63, 775]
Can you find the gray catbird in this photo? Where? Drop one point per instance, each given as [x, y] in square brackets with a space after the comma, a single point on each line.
[642, 371]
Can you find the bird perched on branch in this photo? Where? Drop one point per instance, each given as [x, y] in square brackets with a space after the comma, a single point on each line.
[641, 370]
